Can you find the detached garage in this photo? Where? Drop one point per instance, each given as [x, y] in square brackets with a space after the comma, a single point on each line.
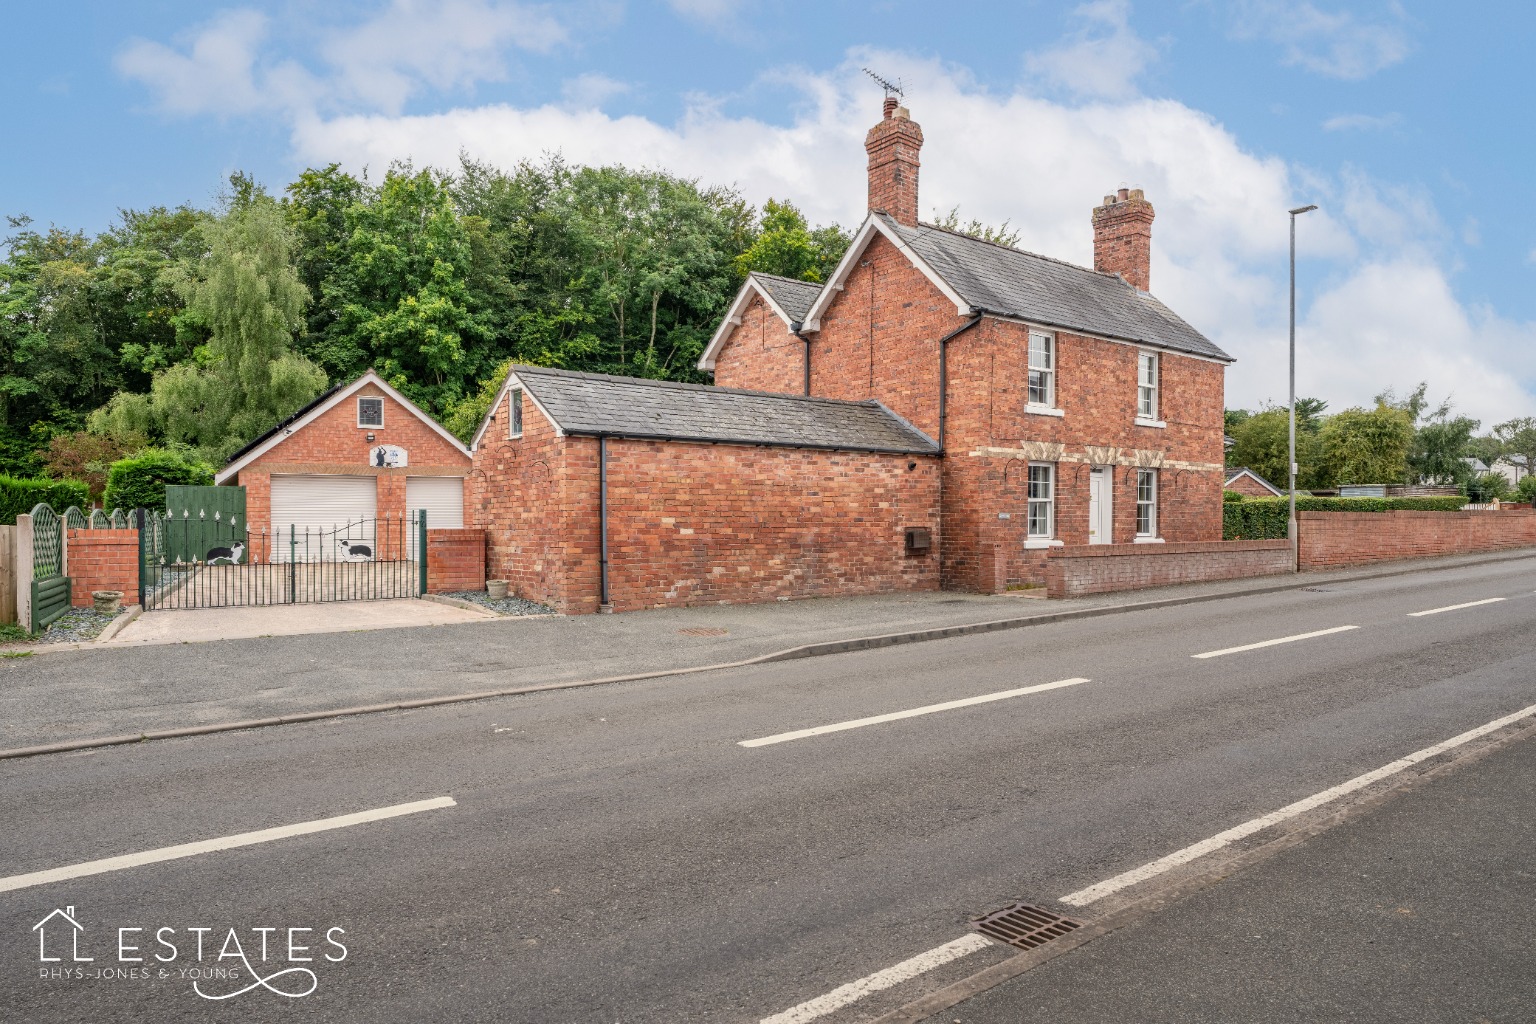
[347, 470]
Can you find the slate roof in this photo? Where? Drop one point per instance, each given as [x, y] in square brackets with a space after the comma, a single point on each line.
[793, 296]
[1000, 279]
[595, 403]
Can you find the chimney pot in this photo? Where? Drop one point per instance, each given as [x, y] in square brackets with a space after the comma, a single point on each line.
[1123, 194]
[891, 104]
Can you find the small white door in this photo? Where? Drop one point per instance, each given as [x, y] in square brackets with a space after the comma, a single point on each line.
[1101, 501]
[441, 496]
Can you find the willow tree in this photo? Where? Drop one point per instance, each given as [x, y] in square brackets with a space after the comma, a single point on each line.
[243, 295]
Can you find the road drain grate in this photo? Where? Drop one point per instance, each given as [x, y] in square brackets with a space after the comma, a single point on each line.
[1024, 926]
[704, 631]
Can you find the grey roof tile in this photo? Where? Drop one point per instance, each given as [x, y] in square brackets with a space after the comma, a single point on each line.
[793, 296]
[1001, 279]
[594, 403]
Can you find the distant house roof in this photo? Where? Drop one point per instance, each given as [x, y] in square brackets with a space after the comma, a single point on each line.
[1232, 475]
[301, 419]
[597, 404]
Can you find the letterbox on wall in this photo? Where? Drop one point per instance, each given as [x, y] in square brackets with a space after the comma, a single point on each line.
[919, 540]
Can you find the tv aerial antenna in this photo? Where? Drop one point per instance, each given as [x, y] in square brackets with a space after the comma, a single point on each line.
[891, 88]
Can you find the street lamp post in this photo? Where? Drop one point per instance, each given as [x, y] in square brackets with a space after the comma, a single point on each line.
[1290, 529]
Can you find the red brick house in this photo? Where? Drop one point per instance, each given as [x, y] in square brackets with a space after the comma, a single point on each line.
[942, 412]
[1070, 405]
[360, 451]
[1249, 484]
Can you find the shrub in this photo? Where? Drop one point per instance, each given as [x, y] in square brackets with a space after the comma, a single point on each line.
[1486, 487]
[1230, 497]
[18, 496]
[1527, 489]
[139, 480]
[1266, 518]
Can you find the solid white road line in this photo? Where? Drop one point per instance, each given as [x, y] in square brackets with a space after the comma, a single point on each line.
[1456, 607]
[266, 835]
[949, 705]
[1083, 897]
[856, 990]
[1272, 643]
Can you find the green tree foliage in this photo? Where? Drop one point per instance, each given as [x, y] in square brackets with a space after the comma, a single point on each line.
[1441, 442]
[84, 456]
[139, 480]
[1516, 437]
[787, 245]
[464, 416]
[1486, 487]
[242, 294]
[1363, 446]
[1262, 443]
[1526, 491]
[1002, 234]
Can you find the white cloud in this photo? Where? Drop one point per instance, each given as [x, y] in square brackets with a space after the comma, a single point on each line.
[1102, 57]
[219, 71]
[1334, 43]
[591, 90]
[711, 12]
[1362, 122]
[443, 45]
[378, 65]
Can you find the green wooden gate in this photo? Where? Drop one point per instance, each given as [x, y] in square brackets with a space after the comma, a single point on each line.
[50, 587]
[200, 519]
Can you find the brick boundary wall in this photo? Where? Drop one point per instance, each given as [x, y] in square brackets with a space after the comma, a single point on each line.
[455, 560]
[103, 560]
[1099, 569]
[1332, 540]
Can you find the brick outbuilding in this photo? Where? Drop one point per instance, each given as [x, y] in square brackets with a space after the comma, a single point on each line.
[360, 452]
[601, 492]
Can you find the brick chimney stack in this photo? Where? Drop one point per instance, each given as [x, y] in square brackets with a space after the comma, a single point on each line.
[893, 146]
[1122, 237]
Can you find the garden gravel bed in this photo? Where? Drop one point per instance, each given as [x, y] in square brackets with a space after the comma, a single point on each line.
[77, 625]
[508, 605]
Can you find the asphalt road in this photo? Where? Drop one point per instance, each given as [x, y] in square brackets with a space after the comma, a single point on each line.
[615, 854]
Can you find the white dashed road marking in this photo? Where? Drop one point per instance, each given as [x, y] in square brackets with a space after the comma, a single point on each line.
[1456, 607]
[266, 835]
[950, 705]
[1273, 643]
[856, 990]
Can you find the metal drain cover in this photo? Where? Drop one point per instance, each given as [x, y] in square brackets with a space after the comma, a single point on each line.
[704, 631]
[1024, 926]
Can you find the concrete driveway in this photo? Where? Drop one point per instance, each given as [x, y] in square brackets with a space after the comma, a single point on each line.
[191, 626]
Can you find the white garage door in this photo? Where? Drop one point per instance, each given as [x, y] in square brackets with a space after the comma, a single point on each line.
[326, 514]
[441, 496]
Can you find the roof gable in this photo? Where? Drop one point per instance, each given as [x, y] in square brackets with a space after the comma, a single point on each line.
[319, 407]
[600, 405]
[1250, 474]
[787, 297]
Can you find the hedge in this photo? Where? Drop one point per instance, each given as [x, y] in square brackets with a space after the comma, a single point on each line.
[139, 480]
[1266, 518]
[18, 496]
[1232, 495]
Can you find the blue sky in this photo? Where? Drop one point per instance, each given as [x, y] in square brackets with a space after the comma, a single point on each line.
[1404, 121]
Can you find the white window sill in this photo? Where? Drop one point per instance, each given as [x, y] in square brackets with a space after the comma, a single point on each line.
[1148, 540]
[1040, 543]
[1043, 410]
[1142, 421]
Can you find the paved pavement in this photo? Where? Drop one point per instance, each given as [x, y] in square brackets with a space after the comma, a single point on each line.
[204, 624]
[141, 688]
[617, 854]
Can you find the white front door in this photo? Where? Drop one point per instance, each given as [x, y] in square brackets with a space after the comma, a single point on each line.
[1101, 506]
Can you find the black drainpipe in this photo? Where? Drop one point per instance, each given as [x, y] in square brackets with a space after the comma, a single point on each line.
[602, 514]
[944, 374]
[807, 341]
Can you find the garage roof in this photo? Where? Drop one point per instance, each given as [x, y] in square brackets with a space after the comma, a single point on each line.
[597, 404]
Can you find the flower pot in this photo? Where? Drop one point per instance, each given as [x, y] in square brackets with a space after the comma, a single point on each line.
[497, 589]
[108, 602]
